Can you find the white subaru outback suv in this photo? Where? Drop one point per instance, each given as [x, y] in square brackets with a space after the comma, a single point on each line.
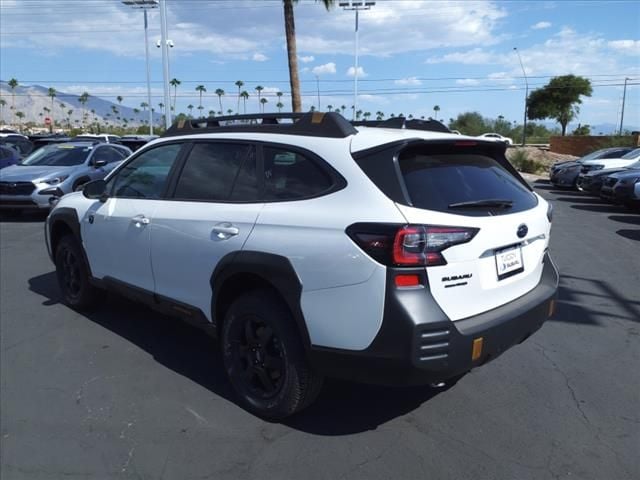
[312, 248]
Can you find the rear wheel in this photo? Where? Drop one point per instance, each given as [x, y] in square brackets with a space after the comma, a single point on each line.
[73, 275]
[264, 357]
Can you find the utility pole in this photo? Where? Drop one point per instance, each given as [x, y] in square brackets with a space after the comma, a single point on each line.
[145, 5]
[526, 96]
[165, 63]
[318, 87]
[624, 98]
[356, 6]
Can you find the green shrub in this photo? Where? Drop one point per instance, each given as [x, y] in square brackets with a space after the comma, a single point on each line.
[520, 159]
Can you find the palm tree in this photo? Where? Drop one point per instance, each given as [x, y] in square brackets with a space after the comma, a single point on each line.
[83, 99]
[229, 111]
[190, 108]
[174, 83]
[292, 54]
[239, 84]
[52, 93]
[329, 108]
[200, 107]
[379, 115]
[200, 89]
[279, 105]
[69, 112]
[220, 93]
[436, 109]
[366, 115]
[119, 99]
[358, 113]
[263, 102]
[212, 113]
[245, 96]
[20, 116]
[343, 108]
[3, 103]
[259, 89]
[13, 83]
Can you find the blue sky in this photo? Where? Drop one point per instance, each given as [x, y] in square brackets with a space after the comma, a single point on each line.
[414, 54]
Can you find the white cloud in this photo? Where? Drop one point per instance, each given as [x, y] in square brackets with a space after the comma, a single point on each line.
[409, 81]
[307, 59]
[259, 57]
[625, 46]
[352, 71]
[467, 82]
[541, 25]
[322, 69]
[476, 56]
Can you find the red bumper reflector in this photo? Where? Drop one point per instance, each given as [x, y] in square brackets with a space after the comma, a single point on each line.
[407, 280]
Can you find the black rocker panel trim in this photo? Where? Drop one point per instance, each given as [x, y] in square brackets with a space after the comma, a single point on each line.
[159, 303]
[273, 270]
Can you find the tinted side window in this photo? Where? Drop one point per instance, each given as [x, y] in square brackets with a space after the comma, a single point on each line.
[146, 175]
[219, 172]
[289, 175]
[107, 154]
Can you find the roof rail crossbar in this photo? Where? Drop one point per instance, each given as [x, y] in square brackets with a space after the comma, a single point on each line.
[402, 122]
[313, 124]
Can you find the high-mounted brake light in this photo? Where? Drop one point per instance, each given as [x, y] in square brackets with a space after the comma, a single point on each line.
[465, 143]
[409, 245]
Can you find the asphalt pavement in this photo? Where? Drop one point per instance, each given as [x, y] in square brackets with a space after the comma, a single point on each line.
[124, 393]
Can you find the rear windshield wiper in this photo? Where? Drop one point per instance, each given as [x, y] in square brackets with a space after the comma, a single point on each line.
[488, 203]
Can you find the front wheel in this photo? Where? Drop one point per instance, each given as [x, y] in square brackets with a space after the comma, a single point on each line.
[73, 275]
[264, 357]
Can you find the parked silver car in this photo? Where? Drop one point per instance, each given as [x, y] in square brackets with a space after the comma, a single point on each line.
[52, 171]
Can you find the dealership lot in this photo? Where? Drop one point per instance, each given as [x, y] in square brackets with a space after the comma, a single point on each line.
[126, 393]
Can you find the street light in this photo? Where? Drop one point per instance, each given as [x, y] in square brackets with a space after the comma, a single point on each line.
[145, 5]
[169, 44]
[356, 6]
[526, 95]
[624, 98]
[165, 63]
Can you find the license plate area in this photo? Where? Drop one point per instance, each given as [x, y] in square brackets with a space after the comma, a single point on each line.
[509, 261]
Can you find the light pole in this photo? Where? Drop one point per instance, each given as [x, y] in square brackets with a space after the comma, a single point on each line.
[145, 5]
[165, 63]
[318, 87]
[624, 98]
[169, 44]
[356, 6]
[526, 96]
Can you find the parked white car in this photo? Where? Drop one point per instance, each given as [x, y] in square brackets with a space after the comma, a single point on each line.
[624, 161]
[314, 248]
[496, 137]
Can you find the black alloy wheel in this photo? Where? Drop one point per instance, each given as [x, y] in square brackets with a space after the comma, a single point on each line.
[264, 357]
[73, 275]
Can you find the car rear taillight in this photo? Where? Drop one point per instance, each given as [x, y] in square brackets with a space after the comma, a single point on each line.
[409, 245]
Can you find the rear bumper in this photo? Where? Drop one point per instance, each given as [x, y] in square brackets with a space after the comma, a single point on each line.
[418, 344]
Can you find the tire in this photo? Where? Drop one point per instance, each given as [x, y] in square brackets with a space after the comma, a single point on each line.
[264, 357]
[73, 275]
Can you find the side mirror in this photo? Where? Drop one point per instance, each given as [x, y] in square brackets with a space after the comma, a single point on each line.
[96, 190]
[99, 163]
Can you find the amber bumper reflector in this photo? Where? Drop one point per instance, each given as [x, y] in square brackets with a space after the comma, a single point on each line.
[477, 349]
[552, 307]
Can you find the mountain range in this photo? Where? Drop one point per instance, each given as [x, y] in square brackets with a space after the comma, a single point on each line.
[32, 99]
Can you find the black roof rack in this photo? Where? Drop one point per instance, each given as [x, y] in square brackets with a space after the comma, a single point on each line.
[402, 122]
[312, 124]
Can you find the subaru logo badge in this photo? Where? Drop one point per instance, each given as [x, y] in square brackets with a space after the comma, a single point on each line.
[522, 231]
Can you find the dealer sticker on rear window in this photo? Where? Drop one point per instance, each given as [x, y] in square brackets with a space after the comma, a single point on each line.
[509, 262]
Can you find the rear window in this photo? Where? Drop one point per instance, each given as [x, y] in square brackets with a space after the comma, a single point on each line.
[452, 182]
